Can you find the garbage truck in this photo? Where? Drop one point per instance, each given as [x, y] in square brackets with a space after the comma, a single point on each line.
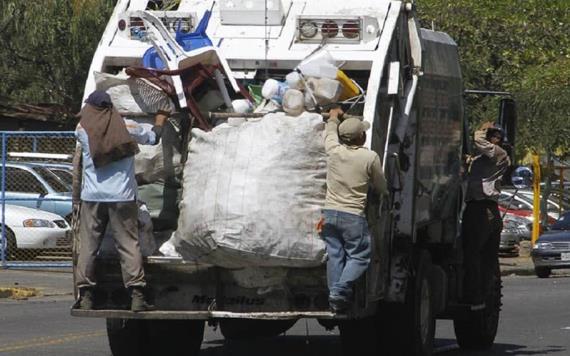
[235, 188]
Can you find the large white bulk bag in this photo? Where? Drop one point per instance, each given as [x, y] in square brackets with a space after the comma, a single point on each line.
[253, 194]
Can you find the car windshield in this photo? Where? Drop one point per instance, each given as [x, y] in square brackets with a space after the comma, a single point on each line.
[52, 179]
[563, 223]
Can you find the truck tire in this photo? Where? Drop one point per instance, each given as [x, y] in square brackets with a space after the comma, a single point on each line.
[126, 336]
[359, 337]
[175, 337]
[240, 329]
[542, 272]
[477, 330]
[137, 337]
[415, 318]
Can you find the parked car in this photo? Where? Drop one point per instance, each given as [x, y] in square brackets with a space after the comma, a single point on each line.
[552, 249]
[35, 186]
[522, 206]
[515, 229]
[31, 231]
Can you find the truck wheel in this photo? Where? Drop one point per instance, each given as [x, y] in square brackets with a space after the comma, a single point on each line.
[477, 330]
[136, 337]
[542, 272]
[239, 329]
[414, 318]
[421, 319]
[175, 337]
[359, 337]
[127, 336]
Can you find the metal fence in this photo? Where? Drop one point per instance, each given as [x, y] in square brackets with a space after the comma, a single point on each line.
[35, 198]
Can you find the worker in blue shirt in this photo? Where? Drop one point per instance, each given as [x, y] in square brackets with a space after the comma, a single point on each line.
[108, 194]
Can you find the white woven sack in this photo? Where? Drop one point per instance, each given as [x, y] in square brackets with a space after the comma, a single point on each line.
[253, 194]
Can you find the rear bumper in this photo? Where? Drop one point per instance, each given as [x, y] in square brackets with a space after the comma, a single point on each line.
[550, 259]
[203, 315]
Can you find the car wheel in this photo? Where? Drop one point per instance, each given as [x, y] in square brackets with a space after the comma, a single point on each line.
[542, 272]
[12, 252]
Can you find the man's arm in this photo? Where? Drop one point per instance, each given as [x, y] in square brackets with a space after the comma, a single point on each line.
[331, 130]
[379, 184]
[487, 148]
[145, 135]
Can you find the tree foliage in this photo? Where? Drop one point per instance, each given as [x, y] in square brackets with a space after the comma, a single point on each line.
[47, 47]
[521, 46]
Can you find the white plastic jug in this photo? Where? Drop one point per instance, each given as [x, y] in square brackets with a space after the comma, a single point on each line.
[320, 64]
[294, 102]
[325, 90]
[242, 106]
[294, 81]
[274, 90]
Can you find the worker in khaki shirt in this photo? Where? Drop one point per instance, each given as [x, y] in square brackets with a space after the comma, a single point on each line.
[352, 169]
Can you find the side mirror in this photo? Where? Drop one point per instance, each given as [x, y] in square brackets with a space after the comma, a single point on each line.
[522, 177]
[508, 119]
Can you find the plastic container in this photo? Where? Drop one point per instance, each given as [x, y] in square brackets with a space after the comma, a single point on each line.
[325, 90]
[349, 89]
[242, 106]
[294, 81]
[320, 64]
[274, 90]
[294, 102]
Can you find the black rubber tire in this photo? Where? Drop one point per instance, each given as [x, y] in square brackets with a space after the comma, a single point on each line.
[409, 328]
[542, 272]
[242, 329]
[477, 330]
[359, 337]
[127, 336]
[175, 337]
[137, 337]
[12, 252]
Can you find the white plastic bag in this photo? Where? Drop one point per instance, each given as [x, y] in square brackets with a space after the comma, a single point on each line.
[253, 194]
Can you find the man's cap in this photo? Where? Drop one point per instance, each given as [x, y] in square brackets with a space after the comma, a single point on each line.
[352, 128]
[100, 99]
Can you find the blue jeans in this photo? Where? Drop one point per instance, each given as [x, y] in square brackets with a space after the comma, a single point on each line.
[348, 247]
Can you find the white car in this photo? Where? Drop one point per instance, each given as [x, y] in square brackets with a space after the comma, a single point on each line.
[29, 231]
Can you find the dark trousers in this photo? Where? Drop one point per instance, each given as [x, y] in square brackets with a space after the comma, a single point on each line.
[481, 233]
[123, 220]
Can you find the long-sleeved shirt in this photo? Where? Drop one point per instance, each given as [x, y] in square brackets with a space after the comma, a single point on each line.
[351, 170]
[486, 170]
[114, 182]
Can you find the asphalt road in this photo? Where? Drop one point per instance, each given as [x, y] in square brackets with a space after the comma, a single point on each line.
[535, 321]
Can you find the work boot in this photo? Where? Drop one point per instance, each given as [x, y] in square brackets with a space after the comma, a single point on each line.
[338, 305]
[138, 300]
[86, 299]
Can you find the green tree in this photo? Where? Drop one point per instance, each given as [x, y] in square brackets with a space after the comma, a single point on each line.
[500, 42]
[47, 47]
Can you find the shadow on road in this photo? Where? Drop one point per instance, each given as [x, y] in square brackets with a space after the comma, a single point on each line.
[278, 346]
[508, 350]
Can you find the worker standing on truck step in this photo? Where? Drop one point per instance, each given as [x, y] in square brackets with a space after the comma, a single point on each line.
[482, 222]
[108, 194]
[352, 169]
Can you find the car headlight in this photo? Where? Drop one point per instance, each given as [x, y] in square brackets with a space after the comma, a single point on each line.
[38, 223]
[543, 245]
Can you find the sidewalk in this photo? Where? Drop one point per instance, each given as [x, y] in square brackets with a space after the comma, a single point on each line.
[35, 283]
[518, 266]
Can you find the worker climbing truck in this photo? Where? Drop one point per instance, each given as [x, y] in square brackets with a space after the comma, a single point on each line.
[235, 188]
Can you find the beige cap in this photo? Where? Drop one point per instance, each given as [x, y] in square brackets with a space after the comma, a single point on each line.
[352, 128]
